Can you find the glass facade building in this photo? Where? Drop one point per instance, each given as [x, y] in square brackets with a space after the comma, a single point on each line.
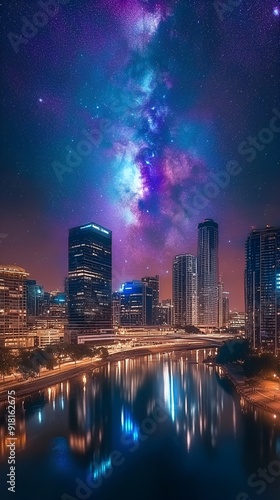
[136, 304]
[116, 307]
[13, 324]
[225, 308]
[262, 287]
[153, 283]
[184, 283]
[208, 273]
[220, 304]
[37, 299]
[89, 283]
[164, 312]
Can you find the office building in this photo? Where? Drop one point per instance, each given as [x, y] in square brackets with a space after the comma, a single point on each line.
[48, 319]
[225, 309]
[37, 299]
[57, 304]
[262, 287]
[116, 307]
[208, 273]
[237, 321]
[153, 283]
[220, 304]
[89, 283]
[13, 324]
[136, 304]
[164, 313]
[223, 306]
[184, 282]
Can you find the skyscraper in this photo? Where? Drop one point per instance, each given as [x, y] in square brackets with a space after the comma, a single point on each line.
[185, 290]
[164, 312]
[262, 287]
[208, 273]
[13, 325]
[136, 303]
[116, 309]
[89, 280]
[153, 283]
[220, 304]
[225, 308]
[35, 299]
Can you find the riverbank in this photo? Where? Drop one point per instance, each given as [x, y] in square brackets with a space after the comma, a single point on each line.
[26, 387]
[265, 395]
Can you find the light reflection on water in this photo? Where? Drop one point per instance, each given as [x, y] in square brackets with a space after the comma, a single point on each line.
[77, 424]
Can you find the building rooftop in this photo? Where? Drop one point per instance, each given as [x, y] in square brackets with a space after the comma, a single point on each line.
[13, 269]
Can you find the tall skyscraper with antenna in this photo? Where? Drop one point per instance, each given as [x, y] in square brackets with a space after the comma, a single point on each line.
[208, 273]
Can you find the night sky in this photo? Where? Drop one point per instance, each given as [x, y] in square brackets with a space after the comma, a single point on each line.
[122, 112]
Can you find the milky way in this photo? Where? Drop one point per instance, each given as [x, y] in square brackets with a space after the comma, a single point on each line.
[152, 167]
[170, 88]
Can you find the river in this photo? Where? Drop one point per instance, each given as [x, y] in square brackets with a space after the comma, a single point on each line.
[156, 427]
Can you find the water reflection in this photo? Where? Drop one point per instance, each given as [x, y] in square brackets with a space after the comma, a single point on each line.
[88, 416]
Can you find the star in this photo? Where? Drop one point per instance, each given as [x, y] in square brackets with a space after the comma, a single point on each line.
[163, 108]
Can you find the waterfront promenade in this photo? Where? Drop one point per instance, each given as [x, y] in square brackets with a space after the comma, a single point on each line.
[265, 394]
[69, 370]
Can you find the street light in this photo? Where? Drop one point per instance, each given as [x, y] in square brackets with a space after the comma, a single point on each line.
[276, 377]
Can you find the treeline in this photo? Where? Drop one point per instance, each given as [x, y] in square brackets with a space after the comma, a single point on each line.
[188, 328]
[29, 362]
[253, 364]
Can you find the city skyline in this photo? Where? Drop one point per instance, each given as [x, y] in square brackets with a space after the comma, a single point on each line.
[163, 295]
[146, 119]
[198, 295]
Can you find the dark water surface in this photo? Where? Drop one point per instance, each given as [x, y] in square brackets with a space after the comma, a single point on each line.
[162, 426]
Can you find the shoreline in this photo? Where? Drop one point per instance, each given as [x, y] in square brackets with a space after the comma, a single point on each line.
[28, 387]
[252, 397]
[234, 373]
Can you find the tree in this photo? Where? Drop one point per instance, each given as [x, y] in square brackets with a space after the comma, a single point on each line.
[28, 366]
[7, 362]
[73, 351]
[87, 351]
[233, 350]
[103, 352]
[263, 365]
[191, 329]
[59, 352]
[77, 351]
